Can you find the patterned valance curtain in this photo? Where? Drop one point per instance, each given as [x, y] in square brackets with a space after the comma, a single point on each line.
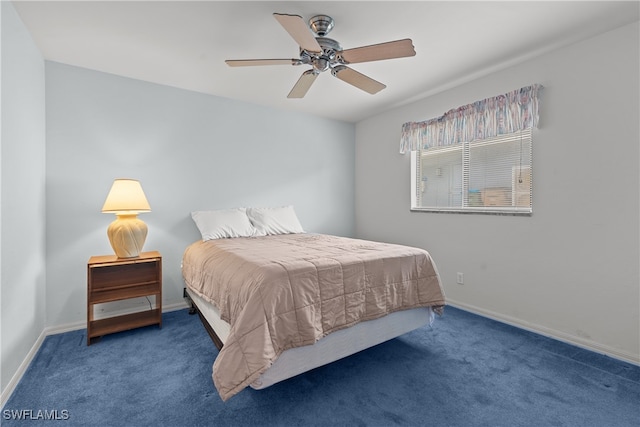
[490, 117]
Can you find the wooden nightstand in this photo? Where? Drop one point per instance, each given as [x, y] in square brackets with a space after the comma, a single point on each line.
[110, 278]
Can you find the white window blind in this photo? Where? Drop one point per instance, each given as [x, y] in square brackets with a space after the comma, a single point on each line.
[487, 176]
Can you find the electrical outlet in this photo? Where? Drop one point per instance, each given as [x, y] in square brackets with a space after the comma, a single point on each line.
[460, 278]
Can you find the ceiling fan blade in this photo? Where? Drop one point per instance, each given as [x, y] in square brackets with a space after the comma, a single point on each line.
[376, 52]
[252, 62]
[299, 30]
[357, 79]
[303, 84]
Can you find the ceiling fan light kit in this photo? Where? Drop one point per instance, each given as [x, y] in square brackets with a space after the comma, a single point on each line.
[323, 54]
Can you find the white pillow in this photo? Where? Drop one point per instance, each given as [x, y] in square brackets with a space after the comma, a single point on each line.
[271, 221]
[224, 223]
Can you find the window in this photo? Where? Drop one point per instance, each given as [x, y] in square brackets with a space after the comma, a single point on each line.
[475, 158]
[485, 176]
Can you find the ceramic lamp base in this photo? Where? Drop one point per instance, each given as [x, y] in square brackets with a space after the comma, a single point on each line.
[127, 235]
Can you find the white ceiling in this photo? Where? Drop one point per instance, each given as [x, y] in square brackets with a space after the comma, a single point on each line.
[184, 43]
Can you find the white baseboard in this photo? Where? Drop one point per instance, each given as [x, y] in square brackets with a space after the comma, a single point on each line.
[54, 330]
[8, 390]
[551, 333]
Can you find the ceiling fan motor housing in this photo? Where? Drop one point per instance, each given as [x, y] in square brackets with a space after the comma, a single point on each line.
[326, 59]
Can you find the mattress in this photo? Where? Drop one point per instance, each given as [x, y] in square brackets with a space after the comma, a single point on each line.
[335, 346]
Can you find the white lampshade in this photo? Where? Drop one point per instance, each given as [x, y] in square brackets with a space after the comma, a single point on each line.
[126, 195]
[127, 233]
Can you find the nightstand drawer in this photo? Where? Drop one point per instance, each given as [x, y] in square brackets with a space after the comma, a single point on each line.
[117, 276]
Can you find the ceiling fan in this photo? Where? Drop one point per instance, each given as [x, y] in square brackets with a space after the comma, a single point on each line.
[323, 54]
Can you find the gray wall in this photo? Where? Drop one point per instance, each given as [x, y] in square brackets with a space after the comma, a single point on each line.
[191, 152]
[22, 198]
[572, 269]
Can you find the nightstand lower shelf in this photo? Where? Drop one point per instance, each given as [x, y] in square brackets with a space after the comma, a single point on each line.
[110, 325]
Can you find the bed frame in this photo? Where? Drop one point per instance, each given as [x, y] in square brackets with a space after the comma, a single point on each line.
[193, 309]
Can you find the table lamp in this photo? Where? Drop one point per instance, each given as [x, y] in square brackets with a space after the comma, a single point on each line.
[127, 233]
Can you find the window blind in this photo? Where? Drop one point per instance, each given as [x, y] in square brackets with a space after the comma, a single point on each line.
[492, 175]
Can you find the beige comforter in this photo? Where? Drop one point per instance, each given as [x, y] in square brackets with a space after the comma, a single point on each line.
[280, 292]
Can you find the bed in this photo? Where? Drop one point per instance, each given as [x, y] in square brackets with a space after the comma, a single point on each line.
[277, 304]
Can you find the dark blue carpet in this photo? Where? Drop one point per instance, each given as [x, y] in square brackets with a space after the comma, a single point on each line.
[465, 371]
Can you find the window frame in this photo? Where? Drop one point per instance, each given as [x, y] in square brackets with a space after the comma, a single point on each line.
[465, 208]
